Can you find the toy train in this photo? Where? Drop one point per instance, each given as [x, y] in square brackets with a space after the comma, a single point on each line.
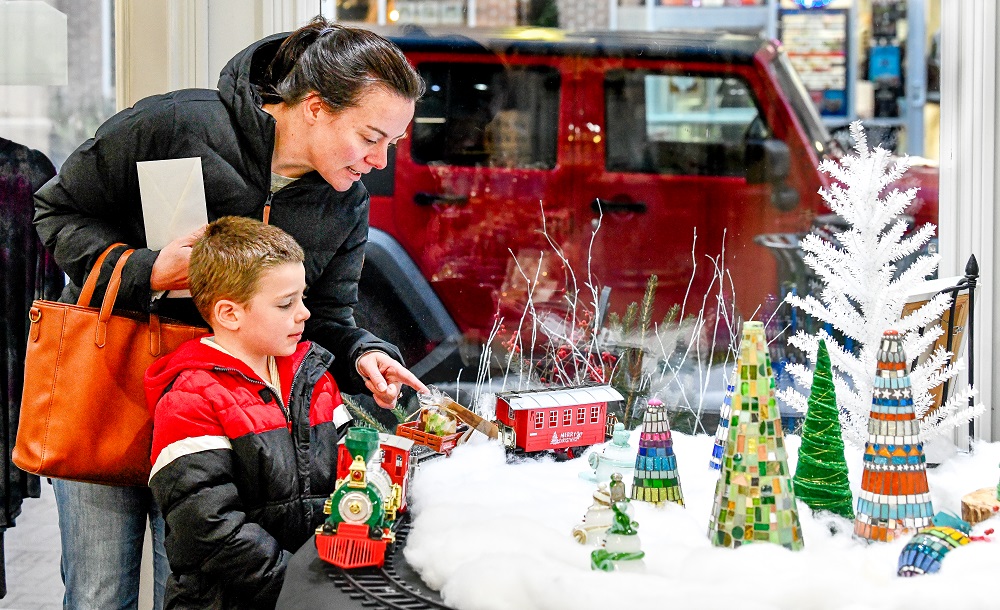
[565, 421]
[373, 472]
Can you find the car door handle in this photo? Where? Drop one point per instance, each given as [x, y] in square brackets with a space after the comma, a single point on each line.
[606, 206]
[432, 198]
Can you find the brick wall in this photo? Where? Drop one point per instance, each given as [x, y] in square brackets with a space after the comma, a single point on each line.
[496, 12]
[573, 14]
[583, 14]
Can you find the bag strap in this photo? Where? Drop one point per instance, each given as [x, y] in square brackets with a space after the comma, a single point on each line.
[109, 299]
[88, 287]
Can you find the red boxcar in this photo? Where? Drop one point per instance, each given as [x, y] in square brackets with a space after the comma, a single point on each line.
[558, 419]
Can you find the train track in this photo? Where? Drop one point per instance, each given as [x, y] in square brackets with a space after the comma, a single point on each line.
[395, 586]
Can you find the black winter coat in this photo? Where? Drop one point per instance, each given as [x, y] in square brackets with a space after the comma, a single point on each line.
[94, 202]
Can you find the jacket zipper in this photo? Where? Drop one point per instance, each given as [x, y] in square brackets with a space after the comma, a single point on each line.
[304, 482]
[267, 207]
[284, 409]
[295, 375]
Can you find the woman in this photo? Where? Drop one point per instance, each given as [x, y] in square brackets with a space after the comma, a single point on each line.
[296, 122]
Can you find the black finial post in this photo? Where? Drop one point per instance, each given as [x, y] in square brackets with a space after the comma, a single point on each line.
[971, 277]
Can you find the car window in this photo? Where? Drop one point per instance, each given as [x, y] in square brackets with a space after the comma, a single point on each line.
[479, 114]
[679, 124]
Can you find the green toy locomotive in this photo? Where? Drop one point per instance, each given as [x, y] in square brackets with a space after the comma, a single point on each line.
[369, 495]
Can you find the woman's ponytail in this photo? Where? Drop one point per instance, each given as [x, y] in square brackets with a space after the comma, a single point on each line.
[287, 56]
[338, 62]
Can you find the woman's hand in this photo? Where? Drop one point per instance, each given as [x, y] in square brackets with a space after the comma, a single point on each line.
[385, 377]
[170, 269]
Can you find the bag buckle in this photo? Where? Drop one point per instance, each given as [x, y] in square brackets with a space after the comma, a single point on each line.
[35, 316]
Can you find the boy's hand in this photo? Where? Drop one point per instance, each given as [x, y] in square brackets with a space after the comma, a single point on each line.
[385, 377]
[170, 269]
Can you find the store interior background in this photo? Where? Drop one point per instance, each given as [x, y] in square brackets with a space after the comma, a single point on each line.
[877, 60]
[103, 74]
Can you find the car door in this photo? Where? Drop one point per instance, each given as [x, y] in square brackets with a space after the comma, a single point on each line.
[480, 165]
[667, 180]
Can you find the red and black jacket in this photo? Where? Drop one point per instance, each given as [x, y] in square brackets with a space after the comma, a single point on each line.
[239, 473]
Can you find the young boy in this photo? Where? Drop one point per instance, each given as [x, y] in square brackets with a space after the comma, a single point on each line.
[246, 423]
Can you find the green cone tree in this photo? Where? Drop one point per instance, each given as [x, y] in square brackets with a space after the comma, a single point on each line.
[821, 474]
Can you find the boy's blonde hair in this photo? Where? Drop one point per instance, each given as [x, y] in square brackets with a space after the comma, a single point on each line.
[229, 259]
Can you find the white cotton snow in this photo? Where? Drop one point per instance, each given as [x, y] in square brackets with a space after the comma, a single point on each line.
[493, 535]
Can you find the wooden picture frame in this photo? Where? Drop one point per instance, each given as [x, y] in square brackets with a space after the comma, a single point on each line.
[955, 317]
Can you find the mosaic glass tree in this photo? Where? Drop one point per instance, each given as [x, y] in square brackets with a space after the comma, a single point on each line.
[754, 498]
[656, 479]
[894, 498]
[821, 475]
[722, 432]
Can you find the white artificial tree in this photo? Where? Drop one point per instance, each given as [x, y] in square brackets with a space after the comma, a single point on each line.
[862, 295]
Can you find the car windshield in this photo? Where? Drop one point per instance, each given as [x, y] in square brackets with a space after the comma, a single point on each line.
[805, 110]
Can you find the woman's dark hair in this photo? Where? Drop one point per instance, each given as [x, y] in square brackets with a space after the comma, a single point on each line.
[340, 63]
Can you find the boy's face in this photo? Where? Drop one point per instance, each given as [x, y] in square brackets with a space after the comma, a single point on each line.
[272, 322]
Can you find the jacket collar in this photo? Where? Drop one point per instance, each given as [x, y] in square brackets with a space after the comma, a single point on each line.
[238, 92]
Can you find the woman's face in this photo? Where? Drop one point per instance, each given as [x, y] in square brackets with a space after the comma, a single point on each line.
[342, 146]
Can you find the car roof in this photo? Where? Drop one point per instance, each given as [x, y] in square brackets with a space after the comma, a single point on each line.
[692, 45]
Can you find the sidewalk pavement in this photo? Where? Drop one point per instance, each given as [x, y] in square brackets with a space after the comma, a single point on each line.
[32, 556]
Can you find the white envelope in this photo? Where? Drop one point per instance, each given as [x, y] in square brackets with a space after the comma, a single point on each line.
[173, 201]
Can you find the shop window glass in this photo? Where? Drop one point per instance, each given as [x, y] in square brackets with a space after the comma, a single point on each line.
[487, 115]
[416, 12]
[679, 124]
[56, 119]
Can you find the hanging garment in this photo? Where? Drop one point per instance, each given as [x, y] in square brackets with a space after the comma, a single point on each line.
[27, 272]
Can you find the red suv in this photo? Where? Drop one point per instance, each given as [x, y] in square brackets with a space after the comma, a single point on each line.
[653, 136]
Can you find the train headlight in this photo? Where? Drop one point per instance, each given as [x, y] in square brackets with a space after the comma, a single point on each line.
[355, 507]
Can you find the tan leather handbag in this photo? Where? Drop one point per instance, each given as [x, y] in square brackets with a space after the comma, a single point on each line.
[83, 411]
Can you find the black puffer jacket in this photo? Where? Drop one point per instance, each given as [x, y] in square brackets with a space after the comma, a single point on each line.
[94, 202]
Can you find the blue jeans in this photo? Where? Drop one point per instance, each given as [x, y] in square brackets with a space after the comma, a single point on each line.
[102, 530]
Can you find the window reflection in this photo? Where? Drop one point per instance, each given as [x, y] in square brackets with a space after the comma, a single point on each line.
[679, 124]
[479, 114]
[57, 119]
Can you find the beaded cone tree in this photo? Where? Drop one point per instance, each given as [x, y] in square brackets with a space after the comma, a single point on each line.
[722, 432]
[821, 475]
[656, 479]
[894, 498]
[755, 498]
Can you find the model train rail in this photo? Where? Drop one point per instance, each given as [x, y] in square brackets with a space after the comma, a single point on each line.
[394, 586]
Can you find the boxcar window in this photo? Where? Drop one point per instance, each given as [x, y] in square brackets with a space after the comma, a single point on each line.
[477, 114]
[595, 412]
[581, 415]
[539, 420]
[553, 418]
[681, 124]
[567, 417]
